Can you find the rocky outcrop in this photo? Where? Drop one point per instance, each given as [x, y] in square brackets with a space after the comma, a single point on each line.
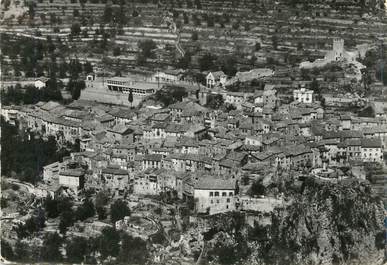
[325, 224]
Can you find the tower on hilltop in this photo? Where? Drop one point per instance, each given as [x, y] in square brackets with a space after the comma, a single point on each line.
[338, 47]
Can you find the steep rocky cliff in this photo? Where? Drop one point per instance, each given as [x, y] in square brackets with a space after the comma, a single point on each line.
[325, 224]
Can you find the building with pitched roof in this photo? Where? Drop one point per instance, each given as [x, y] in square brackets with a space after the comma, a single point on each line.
[371, 150]
[72, 178]
[214, 195]
[216, 79]
[115, 179]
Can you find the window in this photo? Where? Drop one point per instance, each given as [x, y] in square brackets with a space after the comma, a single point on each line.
[230, 194]
[224, 194]
[228, 199]
[211, 194]
[217, 201]
[212, 201]
[216, 194]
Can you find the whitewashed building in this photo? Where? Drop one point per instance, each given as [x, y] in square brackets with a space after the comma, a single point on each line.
[214, 195]
[303, 95]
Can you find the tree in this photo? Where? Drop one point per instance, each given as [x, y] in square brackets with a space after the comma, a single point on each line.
[196, 20]
[76, 249]
[130, 97]
[40, 218]
[101, 212]
[314, 85]
[198, 4]
[246, 180]
[51, 207]
[370, 59]
[32, 95]
[118, 210]
[75, 68]
[299, 46]
[75, 87]
[274, 40]
[51, 91]
[305, 75]
[257, 189]
[32, 225]
[87, 67]
[6, 250]
[247, 26]
[107, 14]
[6, 4]
[381, 74]
[75, 29]
[66, 220]
[207, 62]
[214, 101]
[147, 48]
[186, 18]
[133, 250]
[116, 51]
[140, 59]
[170, 94]
[253, 59]
[63, 67]
[135, 13]
[101, 199]
[64, 204]
[53, 18]
[108, 242]
[51, 248]
[86, 210]
[21, 251]
[4, 202]
[76, 93]
[228, 65]
[367, 112]
[194, 36]
[380, 240]
[31, 9]
[75, 13]
[185, 61]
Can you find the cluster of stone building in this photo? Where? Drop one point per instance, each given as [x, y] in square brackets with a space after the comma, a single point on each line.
[198, 152]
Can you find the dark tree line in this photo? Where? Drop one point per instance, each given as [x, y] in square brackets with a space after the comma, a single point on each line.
[41, 57]
[75, 87]
[17, 95]
[170, 94]
[210, 62]
[111, 243]
[146, 51]
[24, 155]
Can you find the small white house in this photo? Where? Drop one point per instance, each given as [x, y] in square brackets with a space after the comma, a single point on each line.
[40, 83]
[216, 79]
[303, 95]
[168, 76]
[90, 77]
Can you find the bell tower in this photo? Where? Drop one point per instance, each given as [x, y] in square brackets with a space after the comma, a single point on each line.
[338, 47]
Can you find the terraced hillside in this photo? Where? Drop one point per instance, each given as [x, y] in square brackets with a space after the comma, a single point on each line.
[285, 30]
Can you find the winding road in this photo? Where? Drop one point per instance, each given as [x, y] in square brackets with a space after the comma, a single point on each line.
[173, 28]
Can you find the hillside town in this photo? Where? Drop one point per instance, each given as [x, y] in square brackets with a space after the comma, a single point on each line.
[250, 149]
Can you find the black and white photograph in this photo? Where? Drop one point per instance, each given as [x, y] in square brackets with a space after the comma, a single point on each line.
[193, 132]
